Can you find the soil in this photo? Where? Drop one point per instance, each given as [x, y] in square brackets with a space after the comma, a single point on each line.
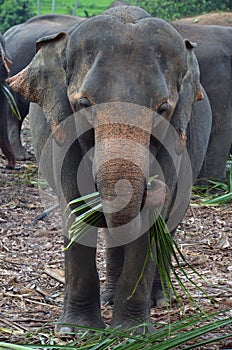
[31, 270]
[221, 19]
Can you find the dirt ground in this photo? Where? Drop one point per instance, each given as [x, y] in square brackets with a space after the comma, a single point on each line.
[221, 19]
[31, 259]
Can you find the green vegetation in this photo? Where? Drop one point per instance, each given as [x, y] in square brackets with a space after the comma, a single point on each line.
[216, 192]
[67, 7]
[88, 212]
[189, 331]
[170, 9]
[166, 9]
[10, 98]
[14, 12]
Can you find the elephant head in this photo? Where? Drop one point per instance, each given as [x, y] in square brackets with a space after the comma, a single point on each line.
[132, 75]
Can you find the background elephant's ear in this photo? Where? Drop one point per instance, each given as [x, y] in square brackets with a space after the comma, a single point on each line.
[43, 81]
[46, 39]
[190, 91]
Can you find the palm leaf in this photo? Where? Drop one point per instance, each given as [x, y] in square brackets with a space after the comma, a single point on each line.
[89, 212]
[186, 332]
[10, 98]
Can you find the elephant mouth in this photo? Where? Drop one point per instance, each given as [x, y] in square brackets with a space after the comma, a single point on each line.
[155, 197]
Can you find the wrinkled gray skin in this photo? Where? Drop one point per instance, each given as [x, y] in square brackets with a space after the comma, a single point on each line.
[20, 43]
[5, 64]
[214, 52]
[112, 58]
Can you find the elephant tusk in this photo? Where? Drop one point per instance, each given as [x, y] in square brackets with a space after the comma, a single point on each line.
[200, 95]
[181, 143]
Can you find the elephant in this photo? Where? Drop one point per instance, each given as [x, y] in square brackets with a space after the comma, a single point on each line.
[214, 56]
[20, 42]
[217, 86]
[5, 64]
[115, 101]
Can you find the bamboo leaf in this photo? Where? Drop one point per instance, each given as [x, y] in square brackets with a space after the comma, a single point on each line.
[10, 98]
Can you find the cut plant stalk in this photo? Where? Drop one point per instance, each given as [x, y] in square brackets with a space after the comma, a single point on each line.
[167, 250]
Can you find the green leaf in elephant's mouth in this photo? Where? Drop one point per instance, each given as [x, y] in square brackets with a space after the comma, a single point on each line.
[168, 257]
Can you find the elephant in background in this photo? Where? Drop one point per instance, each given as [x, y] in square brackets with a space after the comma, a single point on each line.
[119, 97]
[20, 43]
[5, 64]
[214, 52]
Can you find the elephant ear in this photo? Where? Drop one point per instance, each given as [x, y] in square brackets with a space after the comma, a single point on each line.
[5, 57]
[190, 92]
[43, 81]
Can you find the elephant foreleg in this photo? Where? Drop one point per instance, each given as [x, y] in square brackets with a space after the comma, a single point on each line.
[81, 300]
[14, 131]
[114, 264]
[133, 293]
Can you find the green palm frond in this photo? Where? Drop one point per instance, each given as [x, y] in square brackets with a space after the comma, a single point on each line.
[89, 212]
[188, 332]
[10, 98]
[217, 192]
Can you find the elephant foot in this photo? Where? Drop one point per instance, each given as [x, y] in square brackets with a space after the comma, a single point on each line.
[71, 324]
[133, 326]
[161, 299]
[22, 154]
[11, 165]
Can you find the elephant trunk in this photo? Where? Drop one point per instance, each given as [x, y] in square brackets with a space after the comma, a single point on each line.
[121, 185]
[121, 166]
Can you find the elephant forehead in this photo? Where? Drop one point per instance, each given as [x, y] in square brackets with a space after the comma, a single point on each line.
[110, 60]
[111, 34]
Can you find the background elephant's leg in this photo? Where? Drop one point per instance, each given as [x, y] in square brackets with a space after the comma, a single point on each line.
[214, 166]
[81, 300]
[133, 293]
[14, 130]
[160, 297]
[5, 145]
[114, 264]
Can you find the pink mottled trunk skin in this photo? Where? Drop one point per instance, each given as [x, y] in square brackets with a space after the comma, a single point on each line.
[121, 162]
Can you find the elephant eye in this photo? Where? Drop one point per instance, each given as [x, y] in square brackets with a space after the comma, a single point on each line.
[164, 109]
[84, 102]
